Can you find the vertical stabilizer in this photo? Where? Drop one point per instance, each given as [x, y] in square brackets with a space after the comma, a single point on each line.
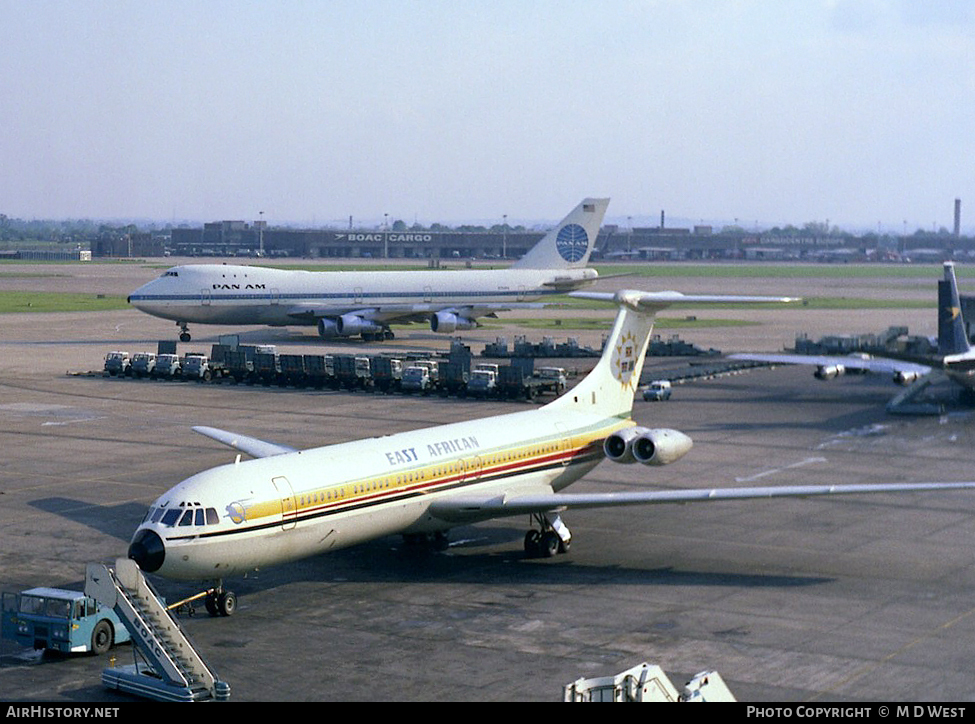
[952, 337]
[609, 388]
[569, 244]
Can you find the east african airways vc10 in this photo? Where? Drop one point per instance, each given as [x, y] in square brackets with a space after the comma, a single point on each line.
[288, 504]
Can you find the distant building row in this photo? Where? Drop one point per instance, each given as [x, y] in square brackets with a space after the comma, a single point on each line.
[237, 238]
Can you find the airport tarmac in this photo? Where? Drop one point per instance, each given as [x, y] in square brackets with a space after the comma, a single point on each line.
[848, 599]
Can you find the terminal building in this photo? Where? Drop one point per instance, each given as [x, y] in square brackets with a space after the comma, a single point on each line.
[615, 243]
[814, 242]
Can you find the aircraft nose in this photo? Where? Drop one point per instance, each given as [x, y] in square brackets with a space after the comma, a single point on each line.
[147, 550]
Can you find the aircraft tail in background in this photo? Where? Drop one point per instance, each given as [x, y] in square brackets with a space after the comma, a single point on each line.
[569, 244]
[952, 335]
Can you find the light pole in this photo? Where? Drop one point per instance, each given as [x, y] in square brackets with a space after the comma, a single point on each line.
[504, 238]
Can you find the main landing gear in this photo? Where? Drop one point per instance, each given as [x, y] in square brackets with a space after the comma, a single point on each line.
[184, 335]
[550, 539]
[384, 335]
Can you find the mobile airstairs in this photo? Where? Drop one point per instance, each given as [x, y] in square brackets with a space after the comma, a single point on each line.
[167, 667]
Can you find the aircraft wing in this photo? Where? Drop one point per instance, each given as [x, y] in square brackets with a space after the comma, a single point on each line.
[852, 362]
[466, 508]
[250, 445]
[392, 313]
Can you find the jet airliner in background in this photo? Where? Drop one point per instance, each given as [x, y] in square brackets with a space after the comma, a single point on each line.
[365, 303]
[955, 358]
[288, 504]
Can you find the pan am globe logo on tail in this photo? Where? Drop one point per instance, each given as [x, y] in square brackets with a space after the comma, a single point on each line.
[572, 242]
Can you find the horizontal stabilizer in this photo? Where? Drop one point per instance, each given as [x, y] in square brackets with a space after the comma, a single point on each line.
[665, 299]
[470, 508]
[250, 445]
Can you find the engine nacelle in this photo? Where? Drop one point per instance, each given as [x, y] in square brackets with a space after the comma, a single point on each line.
[446, 322]
[349, 325]
[906, 378]
[828, 372]
[659, 446]
[327, 328]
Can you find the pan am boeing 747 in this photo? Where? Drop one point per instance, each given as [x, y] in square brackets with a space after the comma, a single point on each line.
[288, 504]
[365, 303]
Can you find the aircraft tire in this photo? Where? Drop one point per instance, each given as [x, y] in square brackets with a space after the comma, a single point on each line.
[549, 545]
[533, 542]
[227, 603]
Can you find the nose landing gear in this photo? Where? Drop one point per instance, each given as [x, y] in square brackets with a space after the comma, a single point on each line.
[217, 600]
[184, 335]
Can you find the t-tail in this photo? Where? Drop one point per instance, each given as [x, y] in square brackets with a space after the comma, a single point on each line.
[609, 388]
[952, 337]
[569, 244]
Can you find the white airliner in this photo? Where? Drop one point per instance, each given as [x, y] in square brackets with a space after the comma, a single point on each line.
[288, 504]
[955, 358]
[345, 304]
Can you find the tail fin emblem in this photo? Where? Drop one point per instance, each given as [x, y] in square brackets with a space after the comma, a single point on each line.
[624, 359]
[572, 242]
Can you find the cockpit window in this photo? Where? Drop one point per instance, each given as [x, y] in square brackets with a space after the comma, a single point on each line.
[171, 516]
[185, 516]
[171, 273]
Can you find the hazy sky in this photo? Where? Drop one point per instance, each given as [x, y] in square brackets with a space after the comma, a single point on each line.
[856, 112]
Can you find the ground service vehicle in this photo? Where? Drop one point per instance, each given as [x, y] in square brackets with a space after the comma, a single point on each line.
[168, 365]
[267, 366]
[315, 372]
[351, 372]
[657, 390]
[454, 377]
[518, 379]
[483, 383]
[60, 620]
[117, 363]
[196, 366]
[552, 379]
[143, 364]
[420, 377]
[387, 373]
[292, 370]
